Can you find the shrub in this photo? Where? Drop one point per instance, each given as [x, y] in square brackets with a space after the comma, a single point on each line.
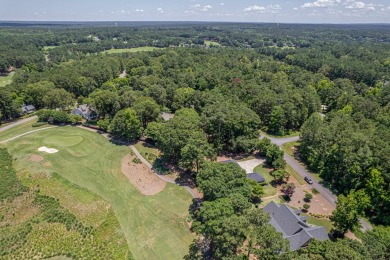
[308, 196]
[38, 124]
[306, 206]
[136, 161]
[315, 191]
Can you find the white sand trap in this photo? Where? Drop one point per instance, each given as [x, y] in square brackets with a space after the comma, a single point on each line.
[47, 150]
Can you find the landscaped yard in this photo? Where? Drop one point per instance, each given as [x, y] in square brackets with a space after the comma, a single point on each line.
[138, 49]
[155, 226]
[5, 80]
[269, 190]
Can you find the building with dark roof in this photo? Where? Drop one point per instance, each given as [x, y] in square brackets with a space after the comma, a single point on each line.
[256, 177]
[293, 226]
[27, 109]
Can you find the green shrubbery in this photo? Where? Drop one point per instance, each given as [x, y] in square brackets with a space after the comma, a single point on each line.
[57, 117]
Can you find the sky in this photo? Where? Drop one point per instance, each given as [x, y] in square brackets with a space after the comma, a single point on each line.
[281, 11]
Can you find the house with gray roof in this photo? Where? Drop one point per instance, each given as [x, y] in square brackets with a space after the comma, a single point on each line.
[85, 111]
[293, 226]
[28, 109]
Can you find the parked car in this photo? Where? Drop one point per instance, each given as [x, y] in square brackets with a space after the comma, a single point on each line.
[308, 180]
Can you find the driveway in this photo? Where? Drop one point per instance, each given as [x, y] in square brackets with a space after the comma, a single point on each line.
[250, 165]
[19, 122]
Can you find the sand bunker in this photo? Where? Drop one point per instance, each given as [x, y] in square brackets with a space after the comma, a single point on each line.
[47, 150]
[36, 158]
[142, 177]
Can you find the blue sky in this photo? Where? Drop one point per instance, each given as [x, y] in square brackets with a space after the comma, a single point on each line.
[291, 11]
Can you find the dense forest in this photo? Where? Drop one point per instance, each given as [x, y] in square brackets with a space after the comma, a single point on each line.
[224, 83]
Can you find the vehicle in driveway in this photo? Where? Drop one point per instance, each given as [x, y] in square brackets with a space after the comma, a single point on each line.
[308, 180]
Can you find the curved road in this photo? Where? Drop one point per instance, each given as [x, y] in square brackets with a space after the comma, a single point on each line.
[326, 193]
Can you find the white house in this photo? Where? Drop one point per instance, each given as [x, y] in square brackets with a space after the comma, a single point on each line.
[85, 111]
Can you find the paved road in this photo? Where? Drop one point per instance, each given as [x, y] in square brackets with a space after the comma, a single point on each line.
[326, 193]
[19, 122]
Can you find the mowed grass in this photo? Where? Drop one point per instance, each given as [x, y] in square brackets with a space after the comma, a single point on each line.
[211, 43]
[138, 49]
[148, 151]
[20, 129]
[269, 190]
[5, 80]
[155, 226]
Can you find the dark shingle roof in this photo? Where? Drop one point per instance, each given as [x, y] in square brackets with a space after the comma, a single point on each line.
[293, 226]
[256, 177]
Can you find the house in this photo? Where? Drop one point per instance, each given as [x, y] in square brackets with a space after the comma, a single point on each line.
[28, 109]
[85, 111]
[252, 175]
[293, 226]
[256, 177]
[167, 116]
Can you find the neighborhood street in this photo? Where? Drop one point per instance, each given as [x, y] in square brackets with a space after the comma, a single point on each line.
[19, 122]
[326, 193]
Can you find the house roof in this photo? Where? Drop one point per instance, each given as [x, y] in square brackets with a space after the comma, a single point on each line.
[293, 226]
[85, 109]
[256, 177]
[28, 108]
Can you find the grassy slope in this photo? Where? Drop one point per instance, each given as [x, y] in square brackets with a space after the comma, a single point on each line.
[19, 129]
[154, 226]
[6, 80]
[112, 51]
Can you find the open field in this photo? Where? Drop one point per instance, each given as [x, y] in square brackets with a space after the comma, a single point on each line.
[138, 49]
[155, 226]
[5, 80]
[20, 129]
[211, 43]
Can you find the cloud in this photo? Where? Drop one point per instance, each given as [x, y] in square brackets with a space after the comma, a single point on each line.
[263, 9]
[160, 10]
[321, 3]
[222, 4]
[139, 10]
[361, 6]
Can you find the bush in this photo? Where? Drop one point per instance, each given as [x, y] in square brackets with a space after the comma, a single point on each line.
[53, 116]
[38, 124]
[308, 196]
[315, 191]
[306, 206]
[136, 161]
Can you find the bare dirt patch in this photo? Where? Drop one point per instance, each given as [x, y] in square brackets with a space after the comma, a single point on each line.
[142, 177]
[36, 158]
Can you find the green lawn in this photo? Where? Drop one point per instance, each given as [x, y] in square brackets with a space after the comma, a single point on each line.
[210, 43]
[149, 152]
[155, 226]
[19, 129]
[138, 49]
[7, 79]
[269, 190]
[319, 222]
